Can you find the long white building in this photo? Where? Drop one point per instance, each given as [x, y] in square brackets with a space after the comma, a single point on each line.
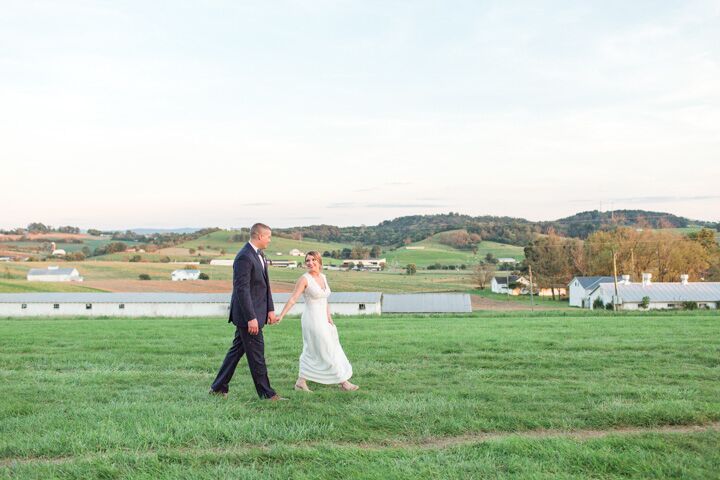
[164, 304]
[663, 295]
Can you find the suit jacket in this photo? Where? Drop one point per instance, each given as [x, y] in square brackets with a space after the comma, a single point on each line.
[251, 295]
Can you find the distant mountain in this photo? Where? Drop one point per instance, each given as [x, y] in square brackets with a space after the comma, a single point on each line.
[583, 224]
[514, 231]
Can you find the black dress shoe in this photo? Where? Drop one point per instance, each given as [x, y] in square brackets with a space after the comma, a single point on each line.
[217, 393]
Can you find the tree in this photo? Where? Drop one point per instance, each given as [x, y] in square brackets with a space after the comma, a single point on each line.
[549, 259]
[204, 276]
[375, 251]
[144, 276]
[483, 273]
[490, 258]
[360, 252]
[37, 227]
[411, 269]
[645, 303]
[135, 258]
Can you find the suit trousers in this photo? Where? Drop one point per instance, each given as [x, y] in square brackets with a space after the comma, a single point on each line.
[253, 346]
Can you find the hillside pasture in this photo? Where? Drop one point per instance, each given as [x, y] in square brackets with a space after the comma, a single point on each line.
[497, 396]
[433, 251]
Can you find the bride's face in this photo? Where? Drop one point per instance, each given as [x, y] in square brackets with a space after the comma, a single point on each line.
[312, 264]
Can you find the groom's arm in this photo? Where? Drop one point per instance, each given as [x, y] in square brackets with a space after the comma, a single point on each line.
[241, 286]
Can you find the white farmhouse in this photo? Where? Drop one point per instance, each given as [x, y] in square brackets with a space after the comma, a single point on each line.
[664, 295]
[500, 284]
[54, 274]
[507, 260]
[580, 288]
[296, 253]
[181, 275]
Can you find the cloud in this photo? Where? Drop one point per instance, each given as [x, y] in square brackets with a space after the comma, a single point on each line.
[256, 204]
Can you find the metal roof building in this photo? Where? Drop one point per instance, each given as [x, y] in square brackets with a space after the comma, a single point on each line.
[661, 295]
[164, 304]
[426, 303]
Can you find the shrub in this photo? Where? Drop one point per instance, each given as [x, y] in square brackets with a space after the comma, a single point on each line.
[191, 251]
[609, 306]
[144, 276]
[645, 303]
[598, 304]
[411, 269]
[164, 259]
[689, 306]
[135, 258]
[204, 276]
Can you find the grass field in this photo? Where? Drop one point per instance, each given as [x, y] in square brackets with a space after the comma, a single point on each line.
[22, 286]
[510, 396]
[435, 252]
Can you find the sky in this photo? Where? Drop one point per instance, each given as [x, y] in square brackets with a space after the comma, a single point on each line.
[128, 114]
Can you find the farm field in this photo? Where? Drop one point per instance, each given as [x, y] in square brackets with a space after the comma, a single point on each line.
[501, 396]
[435, 252]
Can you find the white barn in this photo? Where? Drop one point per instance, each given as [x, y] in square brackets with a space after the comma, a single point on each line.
[163, 304]
[580, 288]
[181, 275]
[664, 295]
[54, 274]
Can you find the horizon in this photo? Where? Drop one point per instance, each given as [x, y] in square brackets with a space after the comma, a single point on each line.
[136, 229]
[297, 113]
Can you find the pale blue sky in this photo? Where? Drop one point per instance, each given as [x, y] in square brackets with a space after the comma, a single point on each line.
[131, 114]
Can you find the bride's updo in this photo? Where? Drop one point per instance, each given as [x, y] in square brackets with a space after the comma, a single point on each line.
[314, 254]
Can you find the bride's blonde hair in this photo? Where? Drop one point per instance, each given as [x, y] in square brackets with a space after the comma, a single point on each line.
[314, 254]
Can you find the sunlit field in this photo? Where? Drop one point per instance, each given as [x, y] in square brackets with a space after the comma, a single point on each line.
[511, 395]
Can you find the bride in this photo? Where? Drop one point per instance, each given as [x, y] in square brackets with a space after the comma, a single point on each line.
[322, 359]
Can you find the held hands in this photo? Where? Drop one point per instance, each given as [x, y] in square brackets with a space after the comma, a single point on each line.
[273, 319]
[253, 328]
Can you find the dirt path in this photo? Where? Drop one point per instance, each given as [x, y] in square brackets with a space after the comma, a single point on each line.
[428, 443]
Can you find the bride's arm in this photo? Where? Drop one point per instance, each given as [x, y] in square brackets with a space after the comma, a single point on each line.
[299, 289]
[329, 315]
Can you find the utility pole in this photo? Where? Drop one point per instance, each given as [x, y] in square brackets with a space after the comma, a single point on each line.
[532, 304]
[615, 298]
[507, 284]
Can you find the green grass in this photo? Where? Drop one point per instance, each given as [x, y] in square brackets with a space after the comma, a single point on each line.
[127, 398]
[436, 252]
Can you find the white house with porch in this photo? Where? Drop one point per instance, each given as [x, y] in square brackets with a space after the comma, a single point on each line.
[580, 288]
[518, 285]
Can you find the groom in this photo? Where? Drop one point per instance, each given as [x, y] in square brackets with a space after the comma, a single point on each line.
[251, 307]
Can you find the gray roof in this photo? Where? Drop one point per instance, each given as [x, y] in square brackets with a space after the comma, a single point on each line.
[664, 292]
[426, 303]
[591, 282]
[337, 297]
[53, 271]
[503, 280]
[163, 297]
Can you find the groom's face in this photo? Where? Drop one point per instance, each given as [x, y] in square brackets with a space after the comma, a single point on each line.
[262, 241]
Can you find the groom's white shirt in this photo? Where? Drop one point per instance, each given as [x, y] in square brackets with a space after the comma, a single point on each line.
[257, 252]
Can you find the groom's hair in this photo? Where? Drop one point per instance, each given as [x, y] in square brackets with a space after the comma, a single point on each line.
[257, 228]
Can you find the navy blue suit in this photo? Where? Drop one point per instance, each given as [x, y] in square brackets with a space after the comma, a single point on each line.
[251, 299]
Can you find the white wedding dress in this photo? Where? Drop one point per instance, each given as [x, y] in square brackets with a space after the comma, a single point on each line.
[322, 359]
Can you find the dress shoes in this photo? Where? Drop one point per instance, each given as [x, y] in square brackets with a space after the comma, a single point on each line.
[217, 393]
